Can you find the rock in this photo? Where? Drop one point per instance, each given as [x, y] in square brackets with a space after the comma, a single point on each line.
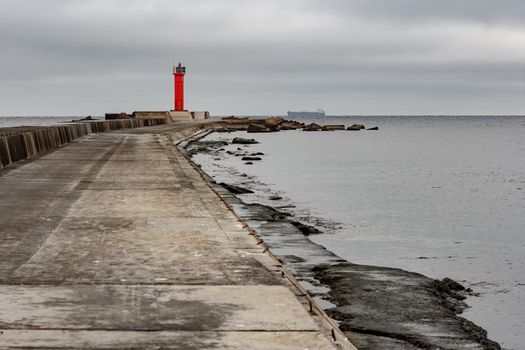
[304, 228]
[404, 306]
[212, 144]
[251, 158]
[275, 198]
[223, 130]
[273, 121]
[312, 127]
[243, 141]
[291, 125]
[235, 189]
[355, 127]
[287, 206]
[374, 128]
[252, 128]
[333, 127]
[257, 154]
[262, 212]
[448, 284]
[248, 163]
[232, 117]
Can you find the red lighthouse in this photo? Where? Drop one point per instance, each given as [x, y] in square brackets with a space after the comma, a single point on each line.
[178, 80]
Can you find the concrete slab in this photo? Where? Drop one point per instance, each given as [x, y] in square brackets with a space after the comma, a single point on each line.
[139, 203]
[149, 308]
[62, 339]
[116, 250]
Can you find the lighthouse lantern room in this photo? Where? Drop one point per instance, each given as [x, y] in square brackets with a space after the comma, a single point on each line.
[178, 79]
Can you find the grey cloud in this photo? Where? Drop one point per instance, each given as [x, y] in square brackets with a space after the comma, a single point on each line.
[382, 56]
[506, 12]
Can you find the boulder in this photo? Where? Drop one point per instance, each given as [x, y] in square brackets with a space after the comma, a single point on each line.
[243, 141]
[291, 125]
[355, 127]
[273, 121]
[212, 144]
[232, 127]
[232, 117]
[275, 198]
[313, 127]
[258, 128]
[333, 127]
[374, 128]
[251, 158]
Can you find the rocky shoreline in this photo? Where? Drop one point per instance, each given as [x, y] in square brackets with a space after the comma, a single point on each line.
[376, 307]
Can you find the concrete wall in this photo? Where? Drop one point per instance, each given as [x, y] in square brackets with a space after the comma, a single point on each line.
[25, 142]
[180, 116]
[200, 115]
[122, 115]
[151, 115]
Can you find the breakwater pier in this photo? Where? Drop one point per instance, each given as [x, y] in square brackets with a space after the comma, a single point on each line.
[114, 240]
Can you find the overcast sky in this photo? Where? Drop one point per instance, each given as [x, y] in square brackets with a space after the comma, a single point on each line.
[79, 57]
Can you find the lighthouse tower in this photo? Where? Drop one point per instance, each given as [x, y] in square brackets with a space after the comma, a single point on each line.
[178, 80]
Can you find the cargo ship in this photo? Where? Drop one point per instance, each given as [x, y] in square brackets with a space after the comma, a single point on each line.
[305, 114]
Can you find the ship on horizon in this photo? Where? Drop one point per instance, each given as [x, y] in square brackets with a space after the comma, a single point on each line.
[307, 114]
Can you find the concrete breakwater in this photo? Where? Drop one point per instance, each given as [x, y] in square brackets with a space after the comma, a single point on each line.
[18, 143]
[116, 242]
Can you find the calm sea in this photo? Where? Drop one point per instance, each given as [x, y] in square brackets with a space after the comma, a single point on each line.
[443, 196]
[33, 121]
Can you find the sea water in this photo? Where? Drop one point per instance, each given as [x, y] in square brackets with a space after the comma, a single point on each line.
[33, 121]
[442, 196]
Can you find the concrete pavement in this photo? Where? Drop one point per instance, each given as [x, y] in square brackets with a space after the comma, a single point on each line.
[115, 241]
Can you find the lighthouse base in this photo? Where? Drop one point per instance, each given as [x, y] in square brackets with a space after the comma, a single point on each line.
[180, 116]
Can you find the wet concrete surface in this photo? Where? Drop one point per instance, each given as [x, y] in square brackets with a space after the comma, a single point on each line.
[115, 241]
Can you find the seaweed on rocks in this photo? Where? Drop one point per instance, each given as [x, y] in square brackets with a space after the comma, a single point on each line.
[404, 308]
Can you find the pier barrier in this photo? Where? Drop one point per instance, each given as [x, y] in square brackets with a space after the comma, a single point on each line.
[18, 143]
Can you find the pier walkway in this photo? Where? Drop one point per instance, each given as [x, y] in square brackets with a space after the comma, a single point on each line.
[115, 241]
